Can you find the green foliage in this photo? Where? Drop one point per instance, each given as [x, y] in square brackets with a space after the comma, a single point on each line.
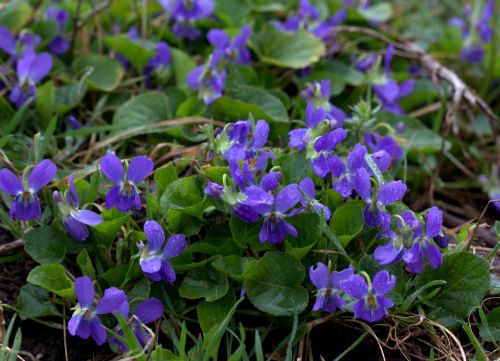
[46, 244]
[105, 73]
[53, 278]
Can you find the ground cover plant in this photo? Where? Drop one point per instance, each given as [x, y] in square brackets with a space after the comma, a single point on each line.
[249, 180]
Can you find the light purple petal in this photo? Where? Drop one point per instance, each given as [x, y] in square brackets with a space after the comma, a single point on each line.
[260, 134]
[307, 186]
[113, 300]
[112, 197]
[140, 167]
[41, 175]
[88, 217]
[175, 245]
[218, 38]
[287, 197]
[151, 264]
[362, 184]
[433, 222]
[433, 255]
[355, 286]
[270, 181]
[167, 273]
[7, 41]
[387, 254]
[383, 282]
[112, 168]
[149, 310]
[9, 182]
[33, 67]
[74, 324]
[155, 235]
[84, 290]
[320, 276]
[340, 277]
[76, 229]
[392, 192]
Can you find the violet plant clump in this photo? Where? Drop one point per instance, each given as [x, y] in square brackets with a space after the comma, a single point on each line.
[213, 179]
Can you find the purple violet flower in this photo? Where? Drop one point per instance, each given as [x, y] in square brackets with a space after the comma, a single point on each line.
[75, 220]
[7, 41]
[154, 256]
[318, 93]
[59, 45]
[234, 50]
[125, 195]
[185, 13]
[329, 284]
[386, 143]
[306, 186]
[30, 69]
[208, 79]
[372, 302]
[85, 321]
[26, 205]
[147, 311]
[366, 63]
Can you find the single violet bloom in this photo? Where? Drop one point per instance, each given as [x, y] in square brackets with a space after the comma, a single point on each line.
[328, 284]
[75, 220]
[372, 302]
[26, 205]
[208, 79]
[85, 321]
[154, 256]
[125, 195]
[234, 50]
[7, 41]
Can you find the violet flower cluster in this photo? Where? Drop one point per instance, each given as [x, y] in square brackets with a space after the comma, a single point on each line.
[209, 78]
[333, 288]
[185, 14]
[475, 32]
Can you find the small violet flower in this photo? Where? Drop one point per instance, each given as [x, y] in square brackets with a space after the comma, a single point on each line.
[372, 302]
[185, 13]
[319, 93]
[59, 45]
[208, 79]
[234, 50]
[329, 285]
[125, 195]
[75, 220]
[85, 321]
[154, 256]
[26, 205]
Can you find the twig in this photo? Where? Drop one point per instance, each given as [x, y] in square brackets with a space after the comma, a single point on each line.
[76, 19]
[11, 246]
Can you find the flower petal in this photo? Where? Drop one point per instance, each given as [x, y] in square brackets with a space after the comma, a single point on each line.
[355, 286]
[383, 282]
[175, 245]
[74, 324]
[139, 168]
[149, 310]
[392, 192]
[114, 300]
[155, 235]
[167, 273]
[433, 255]
[150, 264]
[387, 254]
[362, 184]
[433, 222]
[98, 331]
[76, 229]
[9, 182]
[320, 276]
[287, 197]
[270, 181]
[338, 278]
[41, 175]
[112, 167]
[84, 290]
[88, 217]
[260, 134]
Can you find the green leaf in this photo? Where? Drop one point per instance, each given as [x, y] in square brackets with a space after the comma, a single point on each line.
[239, 102]
[217, 241]
[213, 313]
[85, 264]
[6, 110]
[182, 64]
[490, 330]
[69, 96]
[467, 280]
[377, 12]
[164, 176]
[347, 221]
[185, 195]
[273, 285]
[289, 50]
[295, 166]
[46, 244]
[107, 231]
[146, 108]
[106, 72]
[205, 282]
[308, 232]
[234, 266]
[45, 100]
[34, 302]
[137, 54]
[15, 14]
[53, 278]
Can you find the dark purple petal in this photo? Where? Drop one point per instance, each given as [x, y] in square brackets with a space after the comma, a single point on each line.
[362, 184]
[41, 175]
[387, 254]
[113, 300]
[329, 141]
[218, 38]
[33, 67]
[149, 310]
[414, 258]
[389, 53]
[59, 45]
[392, 192]
[442, 241]
[72, 196]
[433, 222]
[355, 286]
[382, 159]
[340, 277]
[388, 92]
[246, 214]
[270, 181]
[112, 168]
[76, 229]
[25, 206]
[383, 282]
[112, 197]
[406, 88]
[287, 197]
[356, 158]
[167, 273]
[84, 290]
[155, 235]
[175, 245]
[7, 41]
[257, 198]
[343, 186]
[320, 276]
[433, 255]
[84, 327]
[298, 138]
[139, 168]
[9, 183]
[214, 189]
[307, 186]
[98, 331]
[260, 134]
[193, 78]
